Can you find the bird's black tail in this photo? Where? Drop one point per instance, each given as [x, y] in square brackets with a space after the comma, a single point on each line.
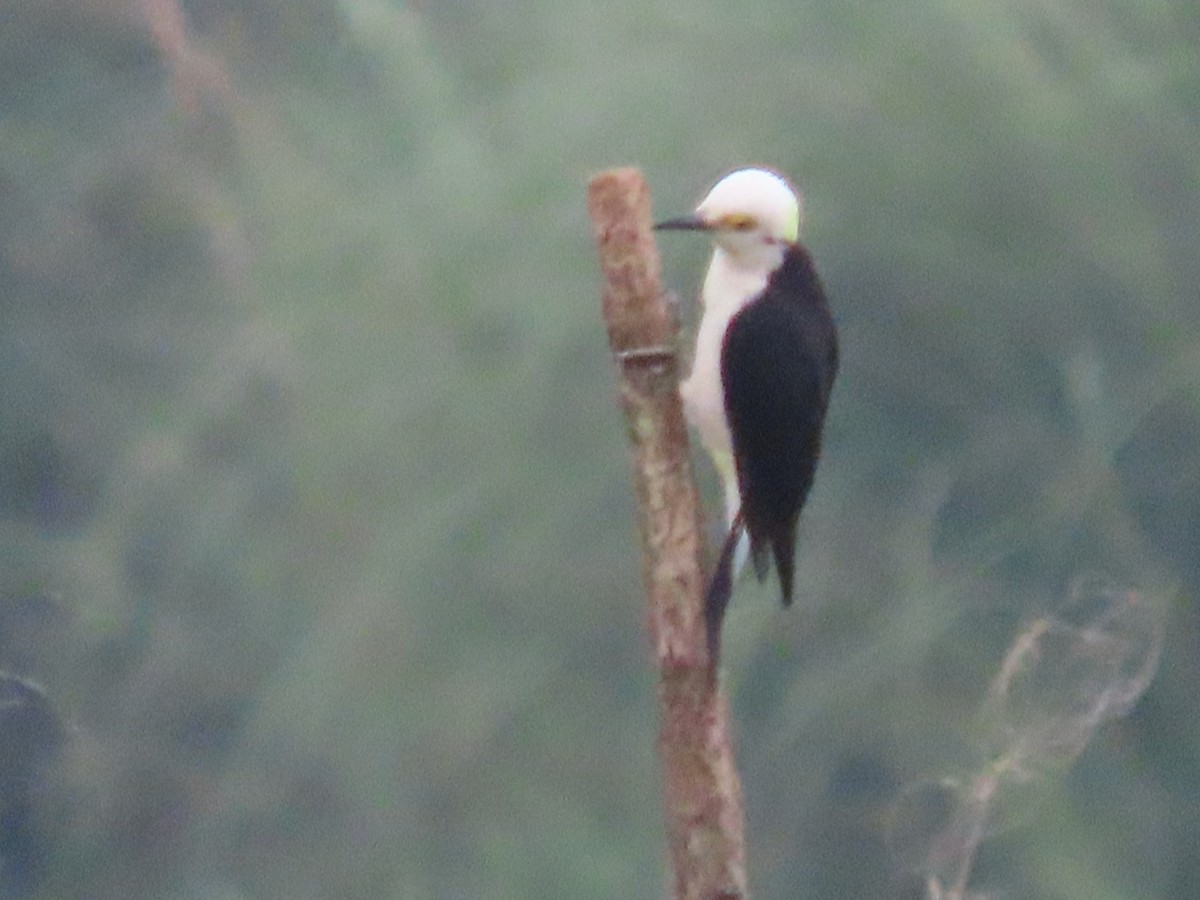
[720, 589]
[783, 547]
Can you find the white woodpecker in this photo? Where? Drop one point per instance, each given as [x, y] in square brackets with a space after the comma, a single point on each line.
[765, 361]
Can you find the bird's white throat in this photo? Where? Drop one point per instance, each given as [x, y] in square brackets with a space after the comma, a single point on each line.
[728, 287]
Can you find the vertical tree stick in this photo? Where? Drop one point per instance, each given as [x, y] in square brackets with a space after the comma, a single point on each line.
[703, 795]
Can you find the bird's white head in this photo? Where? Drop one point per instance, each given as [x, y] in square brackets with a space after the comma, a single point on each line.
[752, 215]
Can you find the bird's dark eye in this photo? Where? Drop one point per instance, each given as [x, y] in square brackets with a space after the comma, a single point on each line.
[739, 222]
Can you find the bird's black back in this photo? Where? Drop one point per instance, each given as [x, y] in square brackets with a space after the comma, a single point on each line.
[778, 362]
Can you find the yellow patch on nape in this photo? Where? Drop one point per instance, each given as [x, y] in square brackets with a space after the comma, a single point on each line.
[791, 227]
[738, 222]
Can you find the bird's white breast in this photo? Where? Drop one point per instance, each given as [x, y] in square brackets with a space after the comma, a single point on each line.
[727, 288]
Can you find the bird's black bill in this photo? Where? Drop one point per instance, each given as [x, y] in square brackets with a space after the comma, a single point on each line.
[683, 223]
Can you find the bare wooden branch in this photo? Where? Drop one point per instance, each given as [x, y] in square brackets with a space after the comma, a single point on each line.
[703, 795]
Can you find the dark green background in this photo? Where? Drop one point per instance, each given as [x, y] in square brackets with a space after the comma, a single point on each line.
[315, 512]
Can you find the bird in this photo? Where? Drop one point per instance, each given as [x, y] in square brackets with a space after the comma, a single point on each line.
[763, 369]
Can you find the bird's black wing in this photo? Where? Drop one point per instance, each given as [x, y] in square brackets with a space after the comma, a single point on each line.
[778, 362]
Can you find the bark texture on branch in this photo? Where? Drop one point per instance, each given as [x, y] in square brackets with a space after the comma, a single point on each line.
[703, 796]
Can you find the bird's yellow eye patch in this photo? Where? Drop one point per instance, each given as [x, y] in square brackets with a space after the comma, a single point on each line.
[739, 222]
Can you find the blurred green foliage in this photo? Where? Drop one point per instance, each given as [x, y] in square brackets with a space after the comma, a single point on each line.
[315, 518]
